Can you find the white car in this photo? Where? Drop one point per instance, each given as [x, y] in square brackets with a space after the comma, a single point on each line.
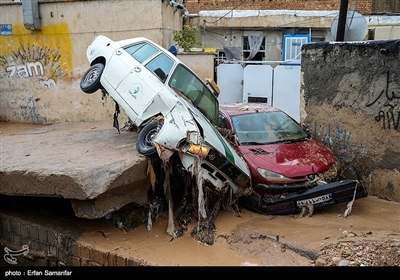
[174, 109]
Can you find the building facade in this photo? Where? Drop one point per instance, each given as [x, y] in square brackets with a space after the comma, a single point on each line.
[283, 26]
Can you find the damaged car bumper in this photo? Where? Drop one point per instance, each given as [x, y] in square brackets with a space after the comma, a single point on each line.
[293, 202]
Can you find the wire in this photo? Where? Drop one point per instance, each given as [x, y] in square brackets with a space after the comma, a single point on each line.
[225, 14]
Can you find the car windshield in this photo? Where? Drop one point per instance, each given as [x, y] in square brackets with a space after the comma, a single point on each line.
[188, 84]
[267, 128]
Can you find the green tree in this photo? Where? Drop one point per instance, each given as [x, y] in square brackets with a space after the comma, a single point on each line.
[186, 38]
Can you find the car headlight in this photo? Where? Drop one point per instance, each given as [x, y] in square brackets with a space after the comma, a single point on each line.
[274, 177]
[197, 149]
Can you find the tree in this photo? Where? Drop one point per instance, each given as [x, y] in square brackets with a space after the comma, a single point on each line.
[186, 38]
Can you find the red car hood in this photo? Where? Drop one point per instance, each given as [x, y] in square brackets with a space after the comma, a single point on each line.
[291, 160]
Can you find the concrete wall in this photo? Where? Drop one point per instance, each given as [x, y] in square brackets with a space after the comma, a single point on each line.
[352, 102]
[53, 242]
[40, 70]
[201, 62]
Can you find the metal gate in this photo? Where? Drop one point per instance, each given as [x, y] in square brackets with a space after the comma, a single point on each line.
[279, 86]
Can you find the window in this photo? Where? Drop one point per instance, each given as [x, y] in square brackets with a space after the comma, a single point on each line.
[141, 51]
[160, 66]
[185, 82]
[292, 47]
[258, 55]
[267, 128]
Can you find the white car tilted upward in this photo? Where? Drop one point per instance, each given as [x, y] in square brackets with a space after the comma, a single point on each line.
[174, 109]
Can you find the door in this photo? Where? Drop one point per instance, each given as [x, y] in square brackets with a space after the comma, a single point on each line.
[287, 89]
[135, 85]
[257, 84]
[230, 83]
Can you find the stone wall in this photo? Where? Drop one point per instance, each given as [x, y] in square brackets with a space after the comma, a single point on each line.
[351, 100]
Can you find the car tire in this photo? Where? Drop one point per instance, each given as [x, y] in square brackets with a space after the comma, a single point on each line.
[144, 142]
[350, 173]
[90, 81]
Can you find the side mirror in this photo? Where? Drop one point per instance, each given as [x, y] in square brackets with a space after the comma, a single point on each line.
[221, 121]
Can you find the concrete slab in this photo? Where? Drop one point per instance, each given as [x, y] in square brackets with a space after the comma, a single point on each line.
[90, 163]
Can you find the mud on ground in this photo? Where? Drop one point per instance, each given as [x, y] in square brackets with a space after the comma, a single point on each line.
[369, 236]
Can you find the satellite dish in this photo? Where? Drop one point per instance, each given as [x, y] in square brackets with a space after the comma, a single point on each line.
[356, 27]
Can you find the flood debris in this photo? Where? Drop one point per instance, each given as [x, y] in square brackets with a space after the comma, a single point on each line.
[350, 204]
[306, 211]
[198, 200]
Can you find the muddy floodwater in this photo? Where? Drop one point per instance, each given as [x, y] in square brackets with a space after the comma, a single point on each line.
[12, 128]
[369, 236]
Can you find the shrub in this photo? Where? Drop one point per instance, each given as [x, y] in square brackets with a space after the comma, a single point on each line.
[186, 38]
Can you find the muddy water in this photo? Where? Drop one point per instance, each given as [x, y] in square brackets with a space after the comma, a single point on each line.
[12, 128]
[251, 239]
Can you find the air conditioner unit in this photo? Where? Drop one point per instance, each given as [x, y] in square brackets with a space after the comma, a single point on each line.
[292, 47]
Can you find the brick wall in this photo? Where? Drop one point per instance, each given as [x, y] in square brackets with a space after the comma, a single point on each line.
[52, 244]
[194, 6]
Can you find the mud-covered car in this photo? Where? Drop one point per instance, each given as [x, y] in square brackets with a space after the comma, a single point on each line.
[290, 169]
[174, 110]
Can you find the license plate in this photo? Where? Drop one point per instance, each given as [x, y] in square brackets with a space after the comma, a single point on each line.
[315, 200]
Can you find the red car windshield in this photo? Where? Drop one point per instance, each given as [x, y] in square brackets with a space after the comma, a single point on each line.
[267, 128]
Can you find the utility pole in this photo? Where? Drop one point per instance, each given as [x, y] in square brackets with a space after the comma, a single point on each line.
[342, 20]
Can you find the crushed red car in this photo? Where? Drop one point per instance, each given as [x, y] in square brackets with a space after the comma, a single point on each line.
[290, 169]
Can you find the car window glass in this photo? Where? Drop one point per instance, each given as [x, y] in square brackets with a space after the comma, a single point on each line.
[160, 66]
[141, 51]
[265, 128]
[193, 88]
[132, 49]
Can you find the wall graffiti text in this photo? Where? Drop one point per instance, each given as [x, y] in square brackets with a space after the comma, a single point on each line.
[389, 100]
[26, 70]
[26, 106]
[338, 140]
[32, 62]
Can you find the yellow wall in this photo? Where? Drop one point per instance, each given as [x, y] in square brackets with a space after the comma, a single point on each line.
[40, 70]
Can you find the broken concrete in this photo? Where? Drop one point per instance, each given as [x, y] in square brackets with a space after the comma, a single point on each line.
[90, 163]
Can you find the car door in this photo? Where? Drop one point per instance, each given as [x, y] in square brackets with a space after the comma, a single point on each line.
[145, 79]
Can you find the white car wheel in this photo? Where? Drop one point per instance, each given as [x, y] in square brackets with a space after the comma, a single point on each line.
[144, 142]
[90, 81]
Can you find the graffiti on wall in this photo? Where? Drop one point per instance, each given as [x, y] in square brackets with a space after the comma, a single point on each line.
[25, 109]
[338, 140]
[38, 69]
[389, 101]
[32, 62]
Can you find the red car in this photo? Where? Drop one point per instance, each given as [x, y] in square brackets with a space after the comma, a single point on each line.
[289, 168]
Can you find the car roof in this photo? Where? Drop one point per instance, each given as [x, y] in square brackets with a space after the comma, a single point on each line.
[131, 41]
[245, 108]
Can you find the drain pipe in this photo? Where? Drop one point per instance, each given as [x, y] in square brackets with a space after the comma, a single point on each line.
[31, 16]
